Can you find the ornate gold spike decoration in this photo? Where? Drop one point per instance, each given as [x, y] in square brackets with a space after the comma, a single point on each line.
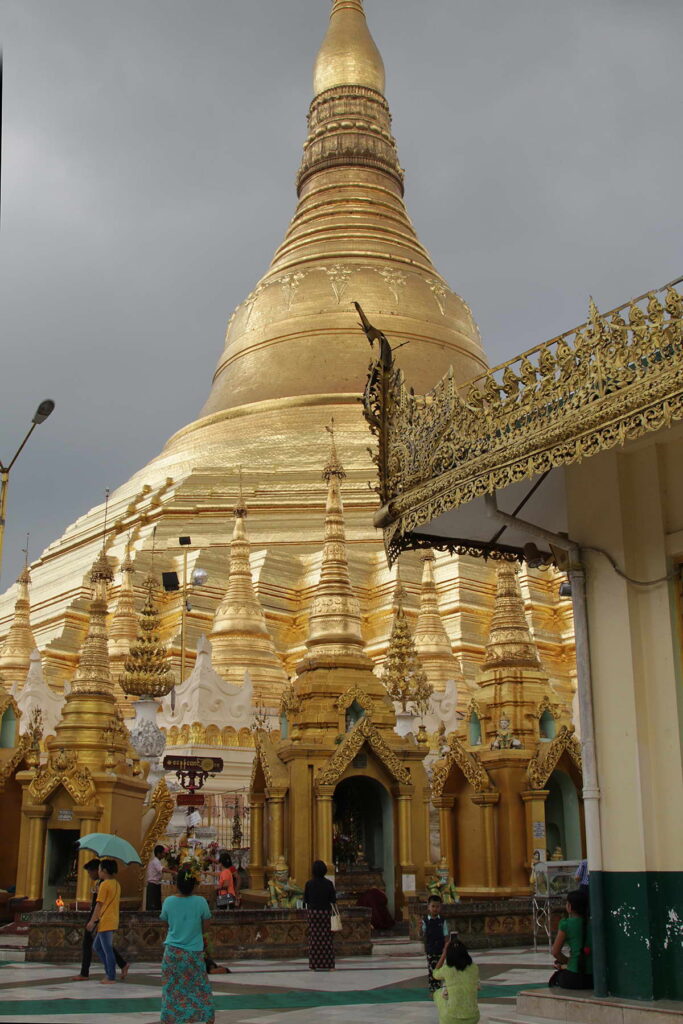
[469, 764]
[592, 388]
[162, 803]
[93, 674]
[16, 651]
[431, 639]
[240, 637]
[123, 628]
[147, 670]
[509, 641]
[334, 627]
[362, 732]
[545, 761]
[403, 674]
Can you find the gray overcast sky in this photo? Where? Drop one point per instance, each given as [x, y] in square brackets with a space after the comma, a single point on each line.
[149, 155]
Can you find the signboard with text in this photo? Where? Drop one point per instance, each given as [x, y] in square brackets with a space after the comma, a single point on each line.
[181, 763]
[190, 799]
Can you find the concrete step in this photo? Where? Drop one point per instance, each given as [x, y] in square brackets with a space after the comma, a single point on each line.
[585, 1008]
[512, 1018]
[15, 954]
[401, 946]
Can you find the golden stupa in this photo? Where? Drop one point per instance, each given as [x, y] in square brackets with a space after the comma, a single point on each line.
[294, 359]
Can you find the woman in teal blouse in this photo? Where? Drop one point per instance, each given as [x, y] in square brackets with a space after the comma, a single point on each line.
[457, 1000]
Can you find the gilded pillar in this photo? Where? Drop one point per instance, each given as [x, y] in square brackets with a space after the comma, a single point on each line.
[323, 807]
[404, 804]
[444, 805]
[35, 868]
[276, 827]
[487, 802]
[256, 866]
[534, 808]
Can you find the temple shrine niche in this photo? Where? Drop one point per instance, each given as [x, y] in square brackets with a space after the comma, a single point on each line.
[508, 788]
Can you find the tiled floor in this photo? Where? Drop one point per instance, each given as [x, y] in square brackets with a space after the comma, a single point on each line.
[360, 991]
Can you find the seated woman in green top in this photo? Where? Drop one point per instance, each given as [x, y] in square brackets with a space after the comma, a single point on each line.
[575, 970]
[457, 1000]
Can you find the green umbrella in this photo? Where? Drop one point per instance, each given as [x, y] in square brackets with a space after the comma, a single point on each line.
[106, 845]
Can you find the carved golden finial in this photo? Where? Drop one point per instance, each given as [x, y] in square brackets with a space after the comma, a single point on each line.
[403, 675]
[147, 672]
[431, 639]
[334, 625]
[16, 651]
[123, 628]
[239, 638]
[348, 55]
[240, 511]
[509, 641]
[333, 466]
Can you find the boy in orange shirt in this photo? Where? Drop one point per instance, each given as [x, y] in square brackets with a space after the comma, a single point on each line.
[106, 918]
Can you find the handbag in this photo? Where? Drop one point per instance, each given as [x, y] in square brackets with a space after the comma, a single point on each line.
[335, 919]
[225, 901]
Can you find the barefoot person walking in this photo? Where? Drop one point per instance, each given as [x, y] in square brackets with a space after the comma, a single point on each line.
[186, 997]
[106, 918]
[93, 869]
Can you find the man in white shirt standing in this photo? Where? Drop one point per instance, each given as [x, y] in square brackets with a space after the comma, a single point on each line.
[155, 870]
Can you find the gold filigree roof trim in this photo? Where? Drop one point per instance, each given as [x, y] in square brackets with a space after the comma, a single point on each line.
[469, 764]
[545, 760]
[63, 769]
[347, 698]
[362, 732]
[614, 378]
[274, 771]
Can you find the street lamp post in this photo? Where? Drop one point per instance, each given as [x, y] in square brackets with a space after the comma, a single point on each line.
[40, 415]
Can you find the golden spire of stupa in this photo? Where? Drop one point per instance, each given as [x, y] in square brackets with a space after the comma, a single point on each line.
[348, 55]
[431, 639]
[334, 626]
[350, 239]
[123, 628]
[240, 639]
[509, 642]
[16, 651]
[147, 670]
